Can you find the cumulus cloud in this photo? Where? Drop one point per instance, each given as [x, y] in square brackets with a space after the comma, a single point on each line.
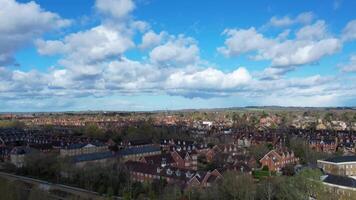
[115, 8]
[299, 52]
[130, 75]
[96, 44]
[209, 78]
[151, 39]
[85, 54]
[21, 23]
[178, 51]
[242, 41]
[303, 18]
[311, 43]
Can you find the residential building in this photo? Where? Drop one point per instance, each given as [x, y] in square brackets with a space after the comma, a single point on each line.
[90, 158]
[17, 155]
[275, 161]
[342, 186]
[135, 153]
[82, 148]
[341, 165]
[185, 159]
[144, 172]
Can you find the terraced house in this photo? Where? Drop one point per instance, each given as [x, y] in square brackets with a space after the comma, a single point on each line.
[275, 161]
[185, 178]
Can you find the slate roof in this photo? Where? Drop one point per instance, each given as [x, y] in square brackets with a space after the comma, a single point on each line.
[341, 159]
[157, 159]
[140, 142]
[168, 171]
[340, 180]
[75, 146]
[20, 150]
[94, 156]
[138, 150]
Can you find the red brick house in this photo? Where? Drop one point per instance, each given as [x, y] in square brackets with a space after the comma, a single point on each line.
[275, 161]
[144, 172]
[211, 153]
[178, 159]
[328, 146]
[185, 160]
[159, 160]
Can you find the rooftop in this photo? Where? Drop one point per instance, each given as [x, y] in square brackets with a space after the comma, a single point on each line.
[138, 150]
[93, 156]
[340, 159]
[340, 180]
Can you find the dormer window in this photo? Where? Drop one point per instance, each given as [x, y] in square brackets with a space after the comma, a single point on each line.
[169, 171]
[163, 162]
[178, 172]
[188, 174]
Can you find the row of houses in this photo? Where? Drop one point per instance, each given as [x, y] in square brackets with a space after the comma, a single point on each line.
[186, 178]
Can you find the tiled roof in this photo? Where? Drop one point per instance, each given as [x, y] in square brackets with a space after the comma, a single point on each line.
[157, 159]
[168, 171]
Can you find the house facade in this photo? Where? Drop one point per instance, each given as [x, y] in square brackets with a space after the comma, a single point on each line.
[185, 159]
[136, 153]
[144, 172]
[82, 148]
[342, 165]
[275, 161]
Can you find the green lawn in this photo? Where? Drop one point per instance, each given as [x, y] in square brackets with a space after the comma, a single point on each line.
[258, 174]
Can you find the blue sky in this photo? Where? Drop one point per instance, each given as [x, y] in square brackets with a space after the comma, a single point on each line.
[156, 54]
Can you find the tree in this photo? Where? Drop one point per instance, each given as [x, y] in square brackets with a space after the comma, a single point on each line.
[267, 188]
[171, 192]
[259, 151]
[93, 131]
[237, 186]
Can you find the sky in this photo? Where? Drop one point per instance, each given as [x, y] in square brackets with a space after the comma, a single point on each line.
[141, 55]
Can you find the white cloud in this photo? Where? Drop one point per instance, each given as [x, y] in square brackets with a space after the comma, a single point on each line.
[208, 79]
[242, 41]
[349, 32]
[316, 31]
[115, 8]
[350, 66]
[311, 43]
[50, 47]
[303, 18]
[132, 75]
[151, 39]
[177, 52]
[97, 44]
[291, 53]
[21, 23]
